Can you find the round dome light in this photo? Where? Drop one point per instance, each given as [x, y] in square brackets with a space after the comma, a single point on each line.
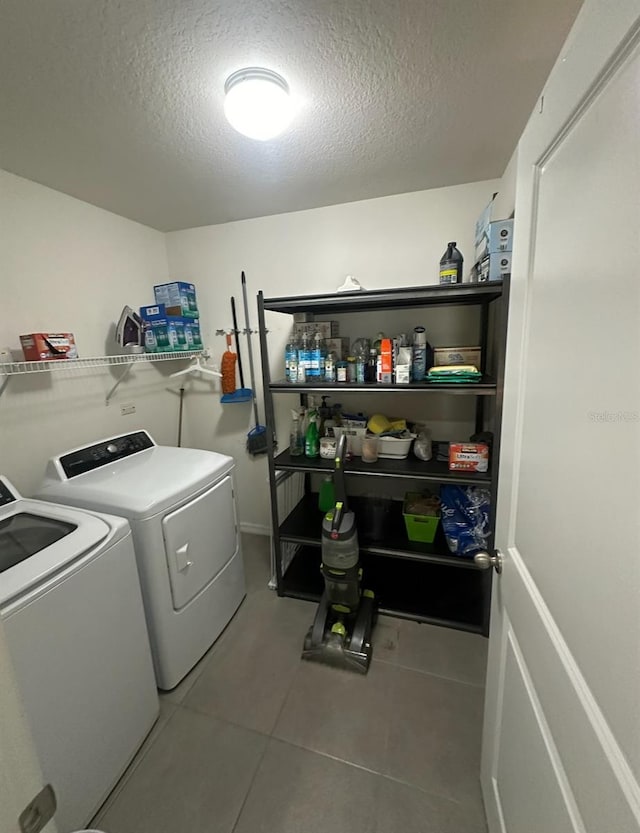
[257, 103]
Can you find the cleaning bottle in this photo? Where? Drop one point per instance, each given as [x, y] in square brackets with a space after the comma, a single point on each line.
[371, 368]
[321, 348]
[451, 265]
[316, 357]
[296, 440]
[304, 358]
[326, 495]
[419, 355]
[361, 361]
[312, 441]
[291, 361]
[330, 363]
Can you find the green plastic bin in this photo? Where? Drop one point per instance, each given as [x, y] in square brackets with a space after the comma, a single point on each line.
[420, 528]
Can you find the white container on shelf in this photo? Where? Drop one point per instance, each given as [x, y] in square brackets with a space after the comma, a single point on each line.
[395, 448]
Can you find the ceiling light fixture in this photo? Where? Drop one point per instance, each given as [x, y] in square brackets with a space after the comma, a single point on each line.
[257, 103]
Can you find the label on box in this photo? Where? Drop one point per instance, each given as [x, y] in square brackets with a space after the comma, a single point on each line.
[468, 457]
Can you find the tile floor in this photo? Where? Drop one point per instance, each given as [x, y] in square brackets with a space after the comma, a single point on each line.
[255, 741]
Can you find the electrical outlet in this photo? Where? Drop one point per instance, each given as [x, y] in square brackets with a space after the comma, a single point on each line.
[127, 409]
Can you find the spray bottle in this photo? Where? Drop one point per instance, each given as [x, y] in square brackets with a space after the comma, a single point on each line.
[312, 441]
[296, 439]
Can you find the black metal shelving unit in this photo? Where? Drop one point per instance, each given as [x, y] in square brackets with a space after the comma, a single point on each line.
[424, 582]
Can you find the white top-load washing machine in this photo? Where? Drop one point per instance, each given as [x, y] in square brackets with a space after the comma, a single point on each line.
[180, 503]
[72, 614]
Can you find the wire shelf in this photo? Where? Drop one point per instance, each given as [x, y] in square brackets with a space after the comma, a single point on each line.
[125, 361]
[56, 365]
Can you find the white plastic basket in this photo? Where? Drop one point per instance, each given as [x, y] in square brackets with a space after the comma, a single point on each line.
[395, 448]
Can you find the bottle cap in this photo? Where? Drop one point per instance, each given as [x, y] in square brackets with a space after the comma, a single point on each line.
[419, 335]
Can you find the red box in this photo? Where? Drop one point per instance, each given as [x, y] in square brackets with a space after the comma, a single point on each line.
[468, 457]
[39, 347]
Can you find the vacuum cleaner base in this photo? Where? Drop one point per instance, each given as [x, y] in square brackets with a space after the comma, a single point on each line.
[329, 642]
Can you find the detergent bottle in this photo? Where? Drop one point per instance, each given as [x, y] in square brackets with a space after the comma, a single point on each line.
[451, 265]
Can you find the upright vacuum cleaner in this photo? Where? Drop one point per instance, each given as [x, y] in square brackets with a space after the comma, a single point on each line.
[341, 632]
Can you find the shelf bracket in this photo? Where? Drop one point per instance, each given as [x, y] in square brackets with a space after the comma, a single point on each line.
[5, 381]
[120, 379]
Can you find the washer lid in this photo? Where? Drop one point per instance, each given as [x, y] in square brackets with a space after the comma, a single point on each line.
[39, 539]
[140, 485]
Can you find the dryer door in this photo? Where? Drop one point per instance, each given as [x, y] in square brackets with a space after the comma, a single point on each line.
[200, 537]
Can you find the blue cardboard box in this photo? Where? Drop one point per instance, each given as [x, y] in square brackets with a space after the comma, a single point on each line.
[178, 297]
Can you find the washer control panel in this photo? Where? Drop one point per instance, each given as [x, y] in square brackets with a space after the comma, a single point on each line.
[104, 453]
[6, 495]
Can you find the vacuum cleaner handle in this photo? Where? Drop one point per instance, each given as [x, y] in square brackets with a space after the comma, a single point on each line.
[337, 518]
[338, 474]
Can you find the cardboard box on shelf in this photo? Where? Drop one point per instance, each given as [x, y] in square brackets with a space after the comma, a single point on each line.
[167, 333]
[302, 317]
[497, 237]
[386, 361]
[487, 216]
[39, 347]
[339, 346]
[494, 267]
[468, 457]
[178, 297]
[457, 355]
[327, 329]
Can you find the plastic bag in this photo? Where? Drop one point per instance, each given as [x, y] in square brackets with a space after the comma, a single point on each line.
[422, 446]
[465, 518]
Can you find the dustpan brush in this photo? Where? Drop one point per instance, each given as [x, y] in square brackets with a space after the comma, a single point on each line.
[228, 369]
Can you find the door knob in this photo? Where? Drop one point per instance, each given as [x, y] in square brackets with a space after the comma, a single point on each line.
[485, 561]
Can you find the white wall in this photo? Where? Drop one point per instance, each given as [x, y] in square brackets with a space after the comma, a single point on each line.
[386, 242]
[68, 266]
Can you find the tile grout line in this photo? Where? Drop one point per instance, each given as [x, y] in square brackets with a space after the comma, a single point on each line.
[131, 769]
[429, 673]
[376, 772]
[252, 781]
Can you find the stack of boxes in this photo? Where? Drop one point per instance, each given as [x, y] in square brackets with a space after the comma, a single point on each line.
[494, 245]
[303, 323]
[172, 324]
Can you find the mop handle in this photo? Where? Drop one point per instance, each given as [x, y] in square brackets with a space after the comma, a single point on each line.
[251, 371]
[235, 329]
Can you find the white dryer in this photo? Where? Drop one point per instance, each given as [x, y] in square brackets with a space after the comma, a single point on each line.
[180, 503]
[72, 615]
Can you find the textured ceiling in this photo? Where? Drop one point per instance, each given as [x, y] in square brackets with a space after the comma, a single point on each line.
[119, 102]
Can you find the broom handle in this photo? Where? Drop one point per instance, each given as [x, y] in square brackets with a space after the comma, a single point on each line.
[249, 348]
[235, 329]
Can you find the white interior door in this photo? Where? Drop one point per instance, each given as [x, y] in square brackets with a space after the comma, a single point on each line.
[20, 776]
[561, 745]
